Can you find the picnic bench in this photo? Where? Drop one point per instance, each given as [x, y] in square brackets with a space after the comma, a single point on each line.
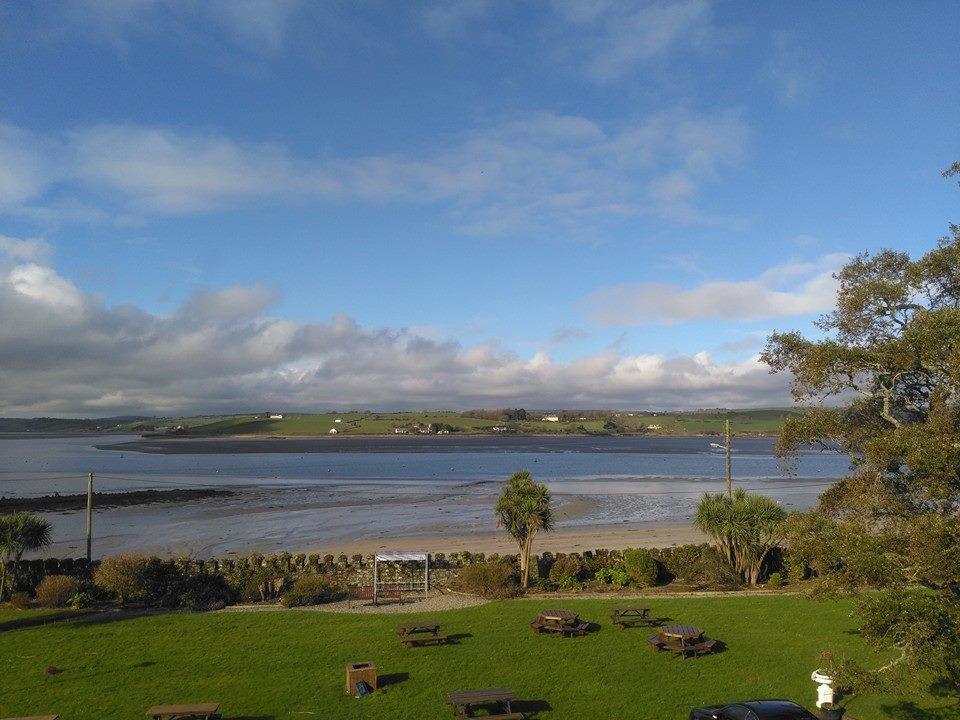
[626, 615]
[495, 700]
[684, 640]
[421, 632]
[390, 591]
[198, 711]
[564, 622]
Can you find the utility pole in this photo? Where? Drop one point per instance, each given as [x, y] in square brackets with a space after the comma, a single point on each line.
[729, 477]
[89, 513]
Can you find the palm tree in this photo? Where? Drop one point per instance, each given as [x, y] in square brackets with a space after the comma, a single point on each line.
[524, 509]
[744, 527]
[20, 532]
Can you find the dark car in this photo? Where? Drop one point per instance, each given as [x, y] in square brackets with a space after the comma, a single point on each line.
[753, 710]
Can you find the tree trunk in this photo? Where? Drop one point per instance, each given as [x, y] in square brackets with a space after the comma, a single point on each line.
[523, 564]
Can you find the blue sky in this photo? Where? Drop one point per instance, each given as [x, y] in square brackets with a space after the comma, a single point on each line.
[450, 204]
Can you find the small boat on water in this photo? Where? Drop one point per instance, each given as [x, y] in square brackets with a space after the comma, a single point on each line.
[718, 446]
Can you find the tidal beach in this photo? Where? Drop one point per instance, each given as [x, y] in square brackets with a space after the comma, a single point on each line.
[359, 494]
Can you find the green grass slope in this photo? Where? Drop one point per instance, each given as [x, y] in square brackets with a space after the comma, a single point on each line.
[291, 664]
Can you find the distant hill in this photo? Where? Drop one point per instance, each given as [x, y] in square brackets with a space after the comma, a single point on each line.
[474, 422]
[707, 422]
[65, 425]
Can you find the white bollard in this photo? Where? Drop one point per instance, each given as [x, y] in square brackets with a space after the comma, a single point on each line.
[824, 687]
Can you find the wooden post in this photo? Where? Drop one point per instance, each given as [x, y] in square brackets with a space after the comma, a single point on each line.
[729, 477]
[89, 514]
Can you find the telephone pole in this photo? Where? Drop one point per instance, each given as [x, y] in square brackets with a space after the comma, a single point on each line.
[729, 477]
[89, 514]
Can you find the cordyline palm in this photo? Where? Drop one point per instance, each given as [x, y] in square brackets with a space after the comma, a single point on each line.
[745, 528]
[20, 532]
[524, 509]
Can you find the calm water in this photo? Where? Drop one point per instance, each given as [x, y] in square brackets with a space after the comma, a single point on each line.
[305, 493]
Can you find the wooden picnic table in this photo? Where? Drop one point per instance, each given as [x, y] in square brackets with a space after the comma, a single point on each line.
[558, 616]
[681, 632]
[624, 615]
[559, 621]
[420, 626]
[464, 702]
[198, 711]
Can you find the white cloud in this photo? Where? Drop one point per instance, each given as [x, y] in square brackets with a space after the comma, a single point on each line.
[15, 249]
[64, 352]
[615, 36]
[789, 289]
[793, 70]
[534, 173]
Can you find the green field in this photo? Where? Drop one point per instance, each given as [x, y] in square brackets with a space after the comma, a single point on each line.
[290, 664]
[372, 423]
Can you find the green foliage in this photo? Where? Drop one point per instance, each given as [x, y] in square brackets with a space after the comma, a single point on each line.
[893, 345]
[612, 576]
[312, 590]
[20, 532]
[745, 527]
[55, 591]
[570, 566]
[524, 509]
[642, 567]
[493, 580]
[81, 600]
[775, 580]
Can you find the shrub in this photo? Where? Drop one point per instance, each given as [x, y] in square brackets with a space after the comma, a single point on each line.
[312, 590]
[493, 580]
[204, 591]
[612, 576]
[121, 575]
[55, 591]
[566, 566]
[262, 584]
[20, 601]
[642, 567]
[775, 580]
[568, 582]
[80, 600]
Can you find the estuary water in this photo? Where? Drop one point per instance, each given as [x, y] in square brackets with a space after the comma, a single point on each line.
[296, 494]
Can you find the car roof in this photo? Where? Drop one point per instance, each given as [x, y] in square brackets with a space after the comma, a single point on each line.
[778, 709]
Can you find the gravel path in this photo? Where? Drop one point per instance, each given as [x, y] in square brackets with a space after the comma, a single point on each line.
[434, 603]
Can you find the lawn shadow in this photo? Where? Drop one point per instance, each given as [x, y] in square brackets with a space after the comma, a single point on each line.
[144, 664]
[117, 615]
[530, 708]
[249, 717]
[457, 637]
[392, 679]
[909, 711]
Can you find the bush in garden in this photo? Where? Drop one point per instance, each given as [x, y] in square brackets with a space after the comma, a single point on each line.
[612, 576]
[55, 591]
[567, 582]
[566, 566]
[312, 590]
[205, 591]
[121, 576]
[263, 584]
[493, 580]
[642, 567]
[20, 601]
[160, 582]
[775, 580]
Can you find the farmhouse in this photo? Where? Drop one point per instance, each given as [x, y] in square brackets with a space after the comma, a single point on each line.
[550, 418]
[276, 416]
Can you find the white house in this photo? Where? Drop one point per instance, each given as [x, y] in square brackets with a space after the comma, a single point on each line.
[550, 418]
[276, 416]
[654, 427]
[333, 431]
[338, 420]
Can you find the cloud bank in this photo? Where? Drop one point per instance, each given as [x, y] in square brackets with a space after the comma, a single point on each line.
[531, 173]
[64, 352]
[787, 290]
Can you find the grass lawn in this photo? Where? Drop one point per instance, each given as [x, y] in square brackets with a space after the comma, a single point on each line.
[290, 664]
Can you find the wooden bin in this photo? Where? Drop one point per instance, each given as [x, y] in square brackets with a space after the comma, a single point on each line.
[358, 671]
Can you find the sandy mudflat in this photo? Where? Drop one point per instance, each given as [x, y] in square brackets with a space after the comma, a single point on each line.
[562, 540]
